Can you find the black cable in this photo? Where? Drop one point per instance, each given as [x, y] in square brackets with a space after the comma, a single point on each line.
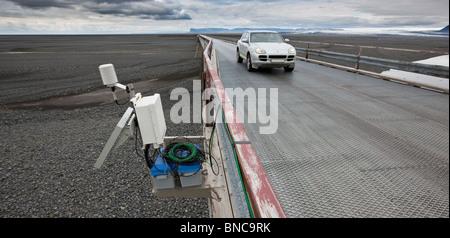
[211, 136]
[120, 104]
[136, 131]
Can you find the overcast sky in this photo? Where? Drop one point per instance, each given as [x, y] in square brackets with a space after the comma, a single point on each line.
[161, 16]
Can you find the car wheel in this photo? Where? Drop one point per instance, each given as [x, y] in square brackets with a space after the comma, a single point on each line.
[287, 69]
[238, 57]
[249, 63]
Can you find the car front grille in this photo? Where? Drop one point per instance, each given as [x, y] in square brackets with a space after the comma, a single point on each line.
[277, 56]
[265, 57]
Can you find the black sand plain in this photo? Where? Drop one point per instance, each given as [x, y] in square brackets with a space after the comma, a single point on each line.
[438, 44]
[48, 149]
[36, 67]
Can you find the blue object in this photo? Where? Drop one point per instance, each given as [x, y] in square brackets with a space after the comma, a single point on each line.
[161, 167]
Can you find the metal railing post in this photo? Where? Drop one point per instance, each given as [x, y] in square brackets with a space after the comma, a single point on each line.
[307, 49]
[358, 57]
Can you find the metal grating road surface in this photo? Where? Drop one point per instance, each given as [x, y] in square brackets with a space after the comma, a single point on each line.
[348, 145]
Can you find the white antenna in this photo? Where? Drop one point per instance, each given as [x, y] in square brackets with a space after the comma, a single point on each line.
[109, 79]
[108, 74]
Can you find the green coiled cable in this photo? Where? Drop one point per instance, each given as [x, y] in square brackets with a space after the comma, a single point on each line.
[177, 157]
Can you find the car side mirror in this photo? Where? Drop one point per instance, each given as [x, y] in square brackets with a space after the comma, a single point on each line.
[245, 40]
[287, 40]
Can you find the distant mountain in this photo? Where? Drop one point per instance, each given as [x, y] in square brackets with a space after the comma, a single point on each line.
[208, 30]
[444, 30]
[441, 32]
[238, 30]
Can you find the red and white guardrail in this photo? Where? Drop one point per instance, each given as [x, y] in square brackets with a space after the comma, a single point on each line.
[264, 202]
[372, 47]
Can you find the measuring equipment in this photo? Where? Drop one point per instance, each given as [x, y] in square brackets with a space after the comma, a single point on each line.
[170, 165]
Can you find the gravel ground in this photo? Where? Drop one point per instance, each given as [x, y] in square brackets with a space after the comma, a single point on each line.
[47, 156]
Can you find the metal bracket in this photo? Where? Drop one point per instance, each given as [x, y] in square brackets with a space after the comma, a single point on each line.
[118, 133]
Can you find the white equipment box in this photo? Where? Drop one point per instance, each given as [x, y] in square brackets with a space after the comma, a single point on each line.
[151, 121]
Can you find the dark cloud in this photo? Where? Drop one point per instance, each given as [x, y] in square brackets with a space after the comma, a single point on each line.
[117, 1]
[146, 9]
[142, 9]
[39, 4]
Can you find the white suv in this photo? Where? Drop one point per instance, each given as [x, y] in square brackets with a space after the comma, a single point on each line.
[265, 49]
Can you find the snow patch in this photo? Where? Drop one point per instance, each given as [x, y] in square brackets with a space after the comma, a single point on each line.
[439, 60]
[426, 80]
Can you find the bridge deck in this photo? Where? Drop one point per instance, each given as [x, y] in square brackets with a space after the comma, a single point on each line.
[348, 145]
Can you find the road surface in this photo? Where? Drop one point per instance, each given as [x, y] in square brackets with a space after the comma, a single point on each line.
[348, 145]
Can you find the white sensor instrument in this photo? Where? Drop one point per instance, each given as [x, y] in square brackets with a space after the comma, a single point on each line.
[146, 113]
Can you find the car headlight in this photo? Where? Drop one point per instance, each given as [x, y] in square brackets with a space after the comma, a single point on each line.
[260, 51]
[292, 51]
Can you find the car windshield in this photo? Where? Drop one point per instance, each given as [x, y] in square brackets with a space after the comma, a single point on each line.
[266, 37]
